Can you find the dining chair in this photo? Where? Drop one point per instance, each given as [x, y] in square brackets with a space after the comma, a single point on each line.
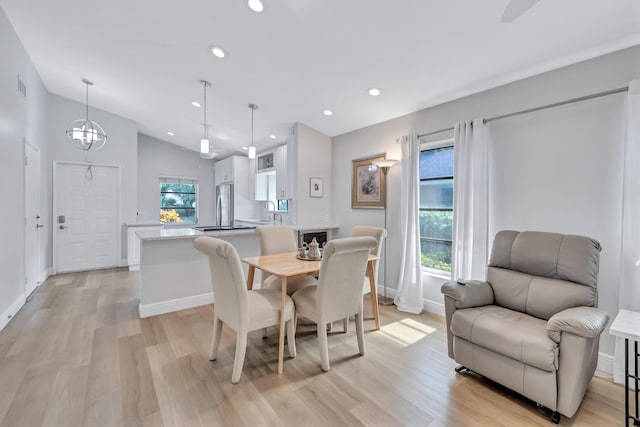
[379, 234]
[338, 293]
[277, 240]
[240, 309]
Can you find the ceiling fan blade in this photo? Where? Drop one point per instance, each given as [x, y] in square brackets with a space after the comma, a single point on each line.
[516, 8]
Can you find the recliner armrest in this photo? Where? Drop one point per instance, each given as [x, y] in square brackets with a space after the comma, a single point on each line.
[587, 322]
[474, 293]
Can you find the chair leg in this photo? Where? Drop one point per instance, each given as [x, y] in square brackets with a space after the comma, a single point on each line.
[264, 333]
[215, 339]
[291, 337]
[324, 346]
[238, 362]
[345, 324]
[555, 418]
[360, 330]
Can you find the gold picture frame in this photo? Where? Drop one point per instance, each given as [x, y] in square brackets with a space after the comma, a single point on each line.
[367, 184]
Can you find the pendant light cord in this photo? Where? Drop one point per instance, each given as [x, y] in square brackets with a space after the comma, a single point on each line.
[252, 110]
[87, 86]
[206, 131]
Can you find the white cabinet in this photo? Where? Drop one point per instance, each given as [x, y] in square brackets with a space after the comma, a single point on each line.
[282, 173]
[133, 244]
[224, 170]
[265, 162]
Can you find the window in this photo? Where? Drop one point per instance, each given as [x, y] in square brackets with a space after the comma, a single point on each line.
[178, 200]
[436, 207]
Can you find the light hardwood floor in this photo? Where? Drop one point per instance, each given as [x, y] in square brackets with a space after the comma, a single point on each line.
[77, 354]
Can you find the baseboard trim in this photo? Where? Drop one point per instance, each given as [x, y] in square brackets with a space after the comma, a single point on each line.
[10, 312]
[433, 307]
[604, 368]
[154, 309]
[134, 267]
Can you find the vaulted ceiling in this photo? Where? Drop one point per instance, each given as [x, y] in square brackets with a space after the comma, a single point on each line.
[300, 57]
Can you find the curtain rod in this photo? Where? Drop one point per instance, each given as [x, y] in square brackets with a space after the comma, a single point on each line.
[543, 107]
[558, 104]
[435, 132]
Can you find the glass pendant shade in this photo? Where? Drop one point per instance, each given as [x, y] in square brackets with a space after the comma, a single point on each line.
[86, 134]
[252, 152]
[204, 146]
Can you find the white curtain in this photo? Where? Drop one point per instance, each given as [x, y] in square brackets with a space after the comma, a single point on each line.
[470, 201]
[629, 295]
[409, 294]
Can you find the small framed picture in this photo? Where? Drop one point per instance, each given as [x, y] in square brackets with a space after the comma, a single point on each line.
[367, 184]
[316, 187]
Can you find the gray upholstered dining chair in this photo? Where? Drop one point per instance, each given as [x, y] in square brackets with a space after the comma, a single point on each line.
[240, 309]
[338, 293]
[277, 240]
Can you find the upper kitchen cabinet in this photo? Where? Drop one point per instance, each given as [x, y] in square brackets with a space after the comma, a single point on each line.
[265, 162]
[224, 170]
[282, 173]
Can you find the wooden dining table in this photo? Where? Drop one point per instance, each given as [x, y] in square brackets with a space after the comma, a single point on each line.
[288, 266]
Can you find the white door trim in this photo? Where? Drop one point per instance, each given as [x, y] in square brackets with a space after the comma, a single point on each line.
[41, 274]
[54, 224]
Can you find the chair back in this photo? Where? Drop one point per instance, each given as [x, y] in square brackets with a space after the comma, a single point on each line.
[543, 273]
[342, 270]
[276, 240]
[376, 232]
[227, 279]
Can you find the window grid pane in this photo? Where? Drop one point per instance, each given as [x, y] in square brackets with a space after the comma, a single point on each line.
[436, 208]
[178, 202]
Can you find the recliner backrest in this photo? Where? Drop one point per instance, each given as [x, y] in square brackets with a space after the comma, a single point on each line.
[543, 273]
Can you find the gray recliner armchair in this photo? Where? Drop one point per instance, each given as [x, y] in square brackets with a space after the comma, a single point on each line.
[532, 325]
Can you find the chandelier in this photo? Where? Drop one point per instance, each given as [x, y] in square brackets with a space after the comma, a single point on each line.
[86, 134]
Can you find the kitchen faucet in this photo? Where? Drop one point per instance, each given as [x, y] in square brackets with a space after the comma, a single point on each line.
[266, 205]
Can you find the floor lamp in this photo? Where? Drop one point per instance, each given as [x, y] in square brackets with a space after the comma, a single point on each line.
[385, 165]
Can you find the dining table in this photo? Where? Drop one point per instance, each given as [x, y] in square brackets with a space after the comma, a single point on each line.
[288, 266]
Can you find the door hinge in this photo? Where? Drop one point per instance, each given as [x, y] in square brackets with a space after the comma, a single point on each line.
[26, 161]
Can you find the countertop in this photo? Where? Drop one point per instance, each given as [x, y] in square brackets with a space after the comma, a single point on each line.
[149, 223]
[187, 233]
[168, 233]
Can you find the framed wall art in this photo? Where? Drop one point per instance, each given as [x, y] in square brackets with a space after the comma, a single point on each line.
[367, 184]
[316, 187]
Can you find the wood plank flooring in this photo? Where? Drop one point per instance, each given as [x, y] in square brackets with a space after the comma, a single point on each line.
[77, 355]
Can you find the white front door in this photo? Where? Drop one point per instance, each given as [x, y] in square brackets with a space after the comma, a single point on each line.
[33, 223]
[86, 216]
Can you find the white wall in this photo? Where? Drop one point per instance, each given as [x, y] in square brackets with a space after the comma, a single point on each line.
[121, 149]
[600, 123]
[20, 118]
[159, 158]
[312, 152]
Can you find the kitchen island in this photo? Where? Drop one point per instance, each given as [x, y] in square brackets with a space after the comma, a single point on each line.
[174, 275]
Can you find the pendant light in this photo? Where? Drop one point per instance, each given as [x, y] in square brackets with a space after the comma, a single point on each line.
[252, 148]
[86, 134]
[205, 149]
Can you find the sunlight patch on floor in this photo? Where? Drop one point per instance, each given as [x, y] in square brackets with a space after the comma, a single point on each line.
[406, 331]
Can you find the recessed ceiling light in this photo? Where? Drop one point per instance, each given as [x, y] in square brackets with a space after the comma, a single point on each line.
[272, 136]
[217, 51]
[327, 113]
[245, 148]
[195, 104]
[170, 133]
[374, 91]
[255, 5]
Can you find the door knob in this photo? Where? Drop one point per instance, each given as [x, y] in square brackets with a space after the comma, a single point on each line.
[39, 225]
[62, 227]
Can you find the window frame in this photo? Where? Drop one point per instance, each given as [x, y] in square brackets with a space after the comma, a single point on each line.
[169, 179]
[426, 146]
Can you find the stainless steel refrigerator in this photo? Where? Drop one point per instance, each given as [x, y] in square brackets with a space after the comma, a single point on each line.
[224, 204]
